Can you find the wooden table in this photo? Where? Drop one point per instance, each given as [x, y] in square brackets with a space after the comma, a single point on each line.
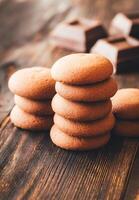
[31, 167]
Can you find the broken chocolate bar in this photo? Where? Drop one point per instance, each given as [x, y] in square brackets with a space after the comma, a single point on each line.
[78, 35]
[127, 24]
[120, 50]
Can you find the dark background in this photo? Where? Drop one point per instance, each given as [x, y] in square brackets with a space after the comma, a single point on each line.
[21, 19]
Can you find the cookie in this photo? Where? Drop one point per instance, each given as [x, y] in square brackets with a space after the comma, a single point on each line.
[83, 129]
[27, 121]
[33, 83]
[65, 141]
[35, 107]
[128, 128]
[81, 69]
[80, 111]
[126, 103]
[88, 93]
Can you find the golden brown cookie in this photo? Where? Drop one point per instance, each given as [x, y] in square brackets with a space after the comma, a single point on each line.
[81, 69]
[80, 111]
[35, 107]
[68, 142]
[126, 103]
[83, 129]
[128, 128]
[33, 83]
[88, 93]
[27, 121]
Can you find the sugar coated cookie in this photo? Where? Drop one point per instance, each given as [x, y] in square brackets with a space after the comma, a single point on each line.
[65, 141]
[35, 107]
[89, 93]
[80, 111]
[91, 128]
[128, 128]
[24, 120]
[81, 68]
[126, 103]
[33, 83]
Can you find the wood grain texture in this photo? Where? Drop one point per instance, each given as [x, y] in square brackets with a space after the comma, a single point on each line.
[132, 190]
[31, 167]
[6, 98]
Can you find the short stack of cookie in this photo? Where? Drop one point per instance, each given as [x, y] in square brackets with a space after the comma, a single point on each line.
[126, 110]
[33, 88]
[83, 118]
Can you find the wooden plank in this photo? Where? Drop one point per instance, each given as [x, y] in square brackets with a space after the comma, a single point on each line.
[132, 190]
[31, 167]
[6, 98]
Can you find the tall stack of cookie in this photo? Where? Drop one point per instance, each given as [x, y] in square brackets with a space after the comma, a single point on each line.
[33, 89]
[83, 118]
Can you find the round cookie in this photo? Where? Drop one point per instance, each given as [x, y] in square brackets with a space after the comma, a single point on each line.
[34, 107]
[128, 128]
[80, 111]
[65, 141]
[88, 93]
[83, 129]
[27, 121]
[126, 103]
[33, 83]
[81, 68]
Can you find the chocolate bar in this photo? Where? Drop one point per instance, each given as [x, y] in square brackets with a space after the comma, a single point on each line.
[78, 35]
[127, 24]
[120, 50]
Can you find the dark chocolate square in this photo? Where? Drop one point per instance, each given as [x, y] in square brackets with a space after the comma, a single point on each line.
[120, 50]
[78, 35]
[127, 24]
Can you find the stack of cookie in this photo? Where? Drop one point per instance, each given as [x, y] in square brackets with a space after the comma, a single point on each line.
[126, 110]
[33, 89]
[83, 118]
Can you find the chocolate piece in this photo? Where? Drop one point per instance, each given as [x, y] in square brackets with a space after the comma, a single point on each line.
[78, 35]
[127, 24]
[121, 51]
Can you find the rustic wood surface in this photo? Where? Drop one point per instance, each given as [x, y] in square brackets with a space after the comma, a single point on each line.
[31, 167]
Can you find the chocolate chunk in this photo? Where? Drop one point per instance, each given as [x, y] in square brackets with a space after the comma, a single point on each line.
[127, 24]
[78, 35]
[120, 50]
